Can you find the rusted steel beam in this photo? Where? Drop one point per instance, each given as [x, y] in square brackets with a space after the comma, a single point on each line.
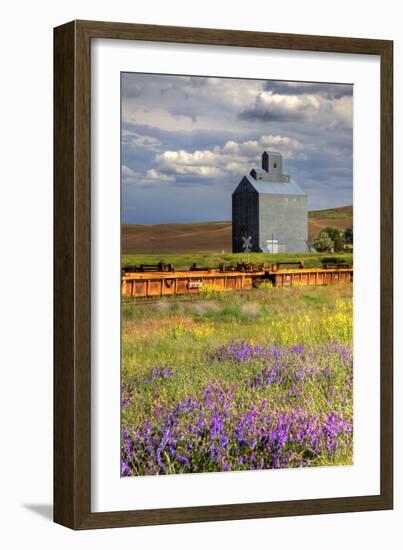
[169, 283]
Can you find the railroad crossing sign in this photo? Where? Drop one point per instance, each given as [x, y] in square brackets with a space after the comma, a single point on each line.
[247, 243]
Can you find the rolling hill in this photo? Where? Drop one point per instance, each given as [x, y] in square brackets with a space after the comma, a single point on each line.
[341, 218]
[211, 236]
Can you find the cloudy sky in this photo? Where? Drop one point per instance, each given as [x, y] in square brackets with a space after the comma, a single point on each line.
[187, 141]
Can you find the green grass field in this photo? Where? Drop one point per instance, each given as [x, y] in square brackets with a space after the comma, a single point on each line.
[184, 261]
[341, 213]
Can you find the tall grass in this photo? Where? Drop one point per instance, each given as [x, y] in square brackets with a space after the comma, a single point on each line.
[174, 352]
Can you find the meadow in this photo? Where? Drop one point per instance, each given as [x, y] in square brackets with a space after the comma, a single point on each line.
[210, 259]
[237, 381]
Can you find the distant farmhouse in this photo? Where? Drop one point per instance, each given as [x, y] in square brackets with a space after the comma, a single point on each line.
[270, 209]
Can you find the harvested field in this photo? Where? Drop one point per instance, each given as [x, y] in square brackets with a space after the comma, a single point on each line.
[211, 236]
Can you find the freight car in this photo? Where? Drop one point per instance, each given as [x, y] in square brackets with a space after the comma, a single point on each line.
[147, 281]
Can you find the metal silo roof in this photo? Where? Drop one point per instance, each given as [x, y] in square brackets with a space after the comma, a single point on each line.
[276, 188]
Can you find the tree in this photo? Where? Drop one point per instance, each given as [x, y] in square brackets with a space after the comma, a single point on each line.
[348, 234]
[337, 236]
[323, 243]
[309, 245]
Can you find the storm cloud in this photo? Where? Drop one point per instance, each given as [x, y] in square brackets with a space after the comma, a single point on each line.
[187, 141]
[329, 91]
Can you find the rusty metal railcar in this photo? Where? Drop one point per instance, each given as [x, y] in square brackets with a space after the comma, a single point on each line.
[312, 276]
[162, 280]
[138, 284]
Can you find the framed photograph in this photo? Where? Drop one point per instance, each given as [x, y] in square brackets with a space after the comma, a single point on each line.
[222, 274]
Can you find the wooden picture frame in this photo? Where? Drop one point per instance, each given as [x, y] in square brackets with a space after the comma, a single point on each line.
[72, 271]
